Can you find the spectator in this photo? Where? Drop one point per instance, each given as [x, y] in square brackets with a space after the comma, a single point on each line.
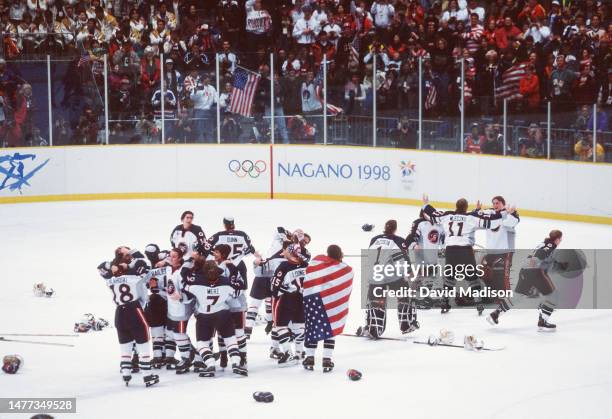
[204, 96]
[307, 28]
[258, 25]
[569, 50]
[453, 11]
[585, 86]
[404, 135]
[561, 82]
[530, 89]
[474, 140]
[127, 61]
[583, 149]
[533, 146]
[506, 34]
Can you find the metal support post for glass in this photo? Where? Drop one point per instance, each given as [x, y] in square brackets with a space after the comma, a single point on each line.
[163, 98]
[420, 81]
[218, 108]
[549, 129]
[272, 101]
[106, 127]
[462, 102]
[374, 98]
[49, 100]
[595, 133]
[505, 122]
[325, 99]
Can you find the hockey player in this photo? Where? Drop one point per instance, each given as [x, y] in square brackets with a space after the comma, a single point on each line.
[459, 227]
[237, 277]
[125, 278]
[325, 273]
[425, 240]
[187, 236]
[534, 274]
[288, 304]
[500, 247]
[213, 294]
[178, 312]
[157, 307]
[264, 270]
[238, 241]
[376, 309]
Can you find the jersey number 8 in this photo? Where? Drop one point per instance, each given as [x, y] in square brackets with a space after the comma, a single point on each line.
[124, 293]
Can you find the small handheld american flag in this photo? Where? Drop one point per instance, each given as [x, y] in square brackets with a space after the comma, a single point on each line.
[327, 289]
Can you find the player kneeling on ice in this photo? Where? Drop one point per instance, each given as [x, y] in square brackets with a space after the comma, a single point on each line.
[213, 294]
[125, 276]
[288, 304]
[534, 274]
[327, 289]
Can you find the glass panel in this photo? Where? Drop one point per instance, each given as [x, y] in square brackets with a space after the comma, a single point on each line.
[24, 111]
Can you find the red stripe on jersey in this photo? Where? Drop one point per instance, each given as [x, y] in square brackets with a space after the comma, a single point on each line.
[144, 321]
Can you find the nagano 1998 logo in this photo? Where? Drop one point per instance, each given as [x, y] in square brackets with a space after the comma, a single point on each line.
[17, 170]
[408, 170]
[247, 167]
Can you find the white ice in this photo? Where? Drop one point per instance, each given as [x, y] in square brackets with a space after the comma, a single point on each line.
[557, 375]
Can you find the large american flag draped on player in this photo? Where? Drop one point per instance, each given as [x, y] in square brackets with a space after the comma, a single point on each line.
[327, 289]
[509, 87]
[244, 85]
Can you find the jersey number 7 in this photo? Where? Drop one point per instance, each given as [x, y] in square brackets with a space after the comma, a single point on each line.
[214, 301]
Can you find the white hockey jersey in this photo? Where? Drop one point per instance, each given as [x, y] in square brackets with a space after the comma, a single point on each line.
[211, 298]
[127, 289]
[459, 228]
[502, 238]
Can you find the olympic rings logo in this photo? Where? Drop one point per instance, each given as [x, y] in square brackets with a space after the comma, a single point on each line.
[247, 167]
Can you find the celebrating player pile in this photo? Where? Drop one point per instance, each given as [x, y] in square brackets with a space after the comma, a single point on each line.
[306, 299]
[157, 295]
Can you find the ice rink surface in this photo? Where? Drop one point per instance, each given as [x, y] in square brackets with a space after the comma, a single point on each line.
[545, 375]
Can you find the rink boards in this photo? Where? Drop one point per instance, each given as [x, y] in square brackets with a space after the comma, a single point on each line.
[542, 188]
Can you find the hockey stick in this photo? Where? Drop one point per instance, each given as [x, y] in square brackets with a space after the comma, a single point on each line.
[3, 339]
[36, 334]
[459, 346]
[380, 338]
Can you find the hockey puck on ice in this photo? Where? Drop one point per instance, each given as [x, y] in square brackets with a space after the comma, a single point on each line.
[353, 375]
[263, 396]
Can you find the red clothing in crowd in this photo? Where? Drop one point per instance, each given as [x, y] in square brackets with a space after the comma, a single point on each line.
[530, 89]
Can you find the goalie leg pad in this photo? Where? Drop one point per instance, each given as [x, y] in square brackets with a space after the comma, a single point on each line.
[406, 315]
[376, 318]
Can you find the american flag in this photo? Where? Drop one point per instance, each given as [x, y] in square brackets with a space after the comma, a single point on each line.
[467, 95]
[509, 87]
[244, 86]
[327, 289]
[85, 58]
[431, 98]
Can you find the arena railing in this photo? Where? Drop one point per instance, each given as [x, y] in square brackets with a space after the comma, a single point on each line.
[76, 99]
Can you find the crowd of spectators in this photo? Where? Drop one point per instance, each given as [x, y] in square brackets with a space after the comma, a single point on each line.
[564, 48]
